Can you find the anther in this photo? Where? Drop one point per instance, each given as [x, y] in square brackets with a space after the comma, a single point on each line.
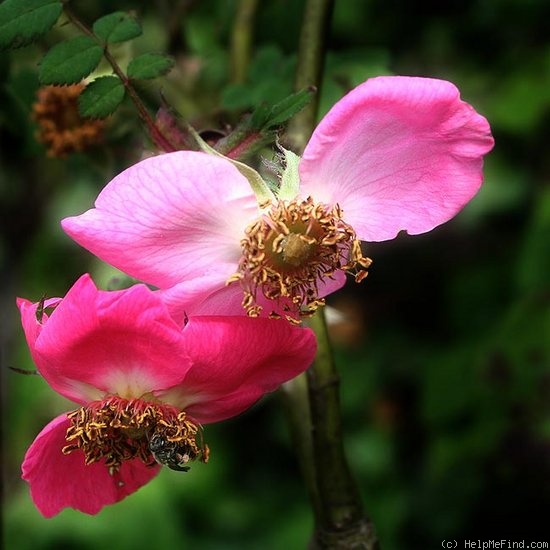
[290, 249]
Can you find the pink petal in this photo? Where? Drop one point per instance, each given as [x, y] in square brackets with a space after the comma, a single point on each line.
[98, 342]
[170, 218]
[328, 285]
[235, 361]
[397, 153]
[285, 308]
[202, 297]
[183, 302]
[59, 481]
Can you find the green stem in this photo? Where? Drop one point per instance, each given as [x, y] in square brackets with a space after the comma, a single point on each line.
[156, 135]
[296, 400]
[241, 40]
[340, 521]
[309, 69]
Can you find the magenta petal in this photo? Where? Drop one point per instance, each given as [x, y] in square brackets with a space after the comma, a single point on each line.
[170, 218]
[397, 153]
[235, 361]
[29, 311]
[98, 342]
[59, 481]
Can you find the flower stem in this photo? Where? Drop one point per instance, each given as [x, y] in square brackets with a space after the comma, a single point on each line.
[340, 521]
[309, 69]
[296, 402]
[156, 135]
[241, 40]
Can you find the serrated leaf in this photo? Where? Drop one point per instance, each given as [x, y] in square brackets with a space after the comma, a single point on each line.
[101, 97]
[70, 61]
[117, 27]
[149, 65]
[289, 106]
[23, 21]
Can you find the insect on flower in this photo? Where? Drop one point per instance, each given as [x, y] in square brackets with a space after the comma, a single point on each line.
[144, 385]
[173, 454]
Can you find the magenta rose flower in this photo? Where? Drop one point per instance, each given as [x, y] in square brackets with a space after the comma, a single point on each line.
[395, 154]
[144, 386]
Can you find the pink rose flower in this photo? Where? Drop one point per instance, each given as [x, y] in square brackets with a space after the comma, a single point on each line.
[395, 154]
[144, 386]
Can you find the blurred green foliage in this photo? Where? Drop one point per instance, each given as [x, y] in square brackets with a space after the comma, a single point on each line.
[445, 373]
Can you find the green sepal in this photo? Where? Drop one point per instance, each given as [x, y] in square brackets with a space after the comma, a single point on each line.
[259, 186]
[70, 61]
[259, 116]
[290, 180]
[288, 107]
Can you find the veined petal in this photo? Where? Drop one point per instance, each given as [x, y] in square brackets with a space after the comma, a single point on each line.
[59, 481]
[97, 342]
[169, 218]
[397, 153]
[235, 361]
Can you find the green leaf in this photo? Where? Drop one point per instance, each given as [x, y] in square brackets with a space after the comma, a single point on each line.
[117, 27]
[101, 97]
[289, 106]
[23, 21]
[70, 61]
[149, 65]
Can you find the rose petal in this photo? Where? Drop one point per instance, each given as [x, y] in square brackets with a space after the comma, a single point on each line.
[183, 302]
[170, 218]
[235, 361]
[397, 153]
[29, 316]
[59, 481]
[121, 342]
[210, 298]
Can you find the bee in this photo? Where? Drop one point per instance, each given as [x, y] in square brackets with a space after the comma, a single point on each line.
[169, 453]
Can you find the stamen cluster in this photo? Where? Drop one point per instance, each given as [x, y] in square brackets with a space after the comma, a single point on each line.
[118, 429]
[290, 249]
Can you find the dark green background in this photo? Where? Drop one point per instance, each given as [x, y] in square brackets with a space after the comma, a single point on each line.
[445, 378]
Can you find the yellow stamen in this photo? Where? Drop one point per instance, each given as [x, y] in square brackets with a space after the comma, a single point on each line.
[290, 249]
[117, 429]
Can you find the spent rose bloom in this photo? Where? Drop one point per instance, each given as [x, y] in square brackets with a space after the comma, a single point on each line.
[144, 386]
[396, 153]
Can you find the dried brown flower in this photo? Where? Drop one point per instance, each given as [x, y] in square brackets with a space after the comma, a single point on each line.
[60, 126]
